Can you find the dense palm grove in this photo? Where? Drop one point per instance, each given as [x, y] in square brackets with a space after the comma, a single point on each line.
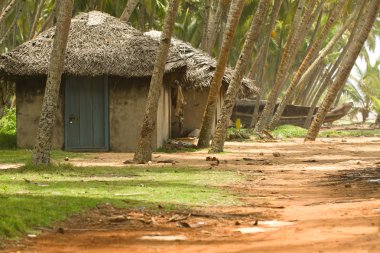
[299, 52]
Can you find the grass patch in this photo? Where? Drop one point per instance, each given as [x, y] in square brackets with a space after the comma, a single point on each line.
[35, 196]
[349, 133]
[171, 150]
[7, 140]
[25, 155]
[289, 131]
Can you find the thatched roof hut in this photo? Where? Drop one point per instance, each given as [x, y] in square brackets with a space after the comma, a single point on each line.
[98, 44]
[201, 67]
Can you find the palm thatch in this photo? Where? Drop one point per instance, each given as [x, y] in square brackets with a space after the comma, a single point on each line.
[98, 44]
[201, 67]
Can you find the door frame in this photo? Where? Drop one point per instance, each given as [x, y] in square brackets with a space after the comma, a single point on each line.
[106, 119]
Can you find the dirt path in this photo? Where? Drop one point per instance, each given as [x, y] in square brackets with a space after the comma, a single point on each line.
[314, 197]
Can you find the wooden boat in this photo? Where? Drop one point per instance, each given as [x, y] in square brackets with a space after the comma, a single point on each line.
[292, 115]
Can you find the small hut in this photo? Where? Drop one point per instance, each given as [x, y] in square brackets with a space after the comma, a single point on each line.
[194, 86]
[105, 83]
[104, 86]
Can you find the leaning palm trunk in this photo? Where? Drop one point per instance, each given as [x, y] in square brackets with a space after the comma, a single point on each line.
[233, 88]
[6, 12]
[36, 19]
[41, 152]
[260, 61]
[49, 21]
[325, 84]
[322, 54]
[216, 82]
[214, 25]
[330, 75]
[288, 56]
[305, 63]
[315, 83]
[127, 12]
[14, 23]
[207, 11]
[144, 147]
[367, 21]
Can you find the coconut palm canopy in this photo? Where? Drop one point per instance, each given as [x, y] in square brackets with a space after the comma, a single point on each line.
[98, 44]
[201, 67]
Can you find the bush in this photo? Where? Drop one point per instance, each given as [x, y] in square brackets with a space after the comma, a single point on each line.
[8, 122]
[8, 129]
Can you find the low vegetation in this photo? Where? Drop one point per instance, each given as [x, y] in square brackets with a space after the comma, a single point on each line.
[33, 197]
[8, 129]
[288, 131]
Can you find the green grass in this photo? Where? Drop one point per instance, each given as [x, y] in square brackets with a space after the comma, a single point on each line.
[349, 133]
[289, 131]
[25, 155]
[33, 196]
[7, 140]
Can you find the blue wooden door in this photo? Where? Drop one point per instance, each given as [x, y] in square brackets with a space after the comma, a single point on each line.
[86, 114]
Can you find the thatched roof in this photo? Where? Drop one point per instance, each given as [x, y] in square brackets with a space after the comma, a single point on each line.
[98, 44]
[201, 67]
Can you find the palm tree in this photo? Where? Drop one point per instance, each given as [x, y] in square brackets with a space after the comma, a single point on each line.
[216, 82]
[233, 88]
[258, 67]
[41, 152]
[306, 62]
[144, 147]
[288, 56]
[129, 8]
[366, 23]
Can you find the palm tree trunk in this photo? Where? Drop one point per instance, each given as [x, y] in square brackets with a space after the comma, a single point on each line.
[6, 12]
[206, 19]
[152, 14]
[233, 88]
[316, 28]
[305, 63]
[36, 18]
[216, 82]
[258, 66]
[326, 82]
[49, 21]
[144, 147]
[14, 22]
[141, 18]
[315, 83]
[41, 152]
[367, 21]
[129, 8]
[214, 25]
[322, 54]
[288, 56]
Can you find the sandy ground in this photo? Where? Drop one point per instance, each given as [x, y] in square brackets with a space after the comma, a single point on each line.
[315, 197]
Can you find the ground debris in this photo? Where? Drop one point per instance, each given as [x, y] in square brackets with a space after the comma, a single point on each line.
[179, 217]
[168, 161]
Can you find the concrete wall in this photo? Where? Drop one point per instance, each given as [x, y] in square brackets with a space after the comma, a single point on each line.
[29, 97]
[193, 111]
[127, 99]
